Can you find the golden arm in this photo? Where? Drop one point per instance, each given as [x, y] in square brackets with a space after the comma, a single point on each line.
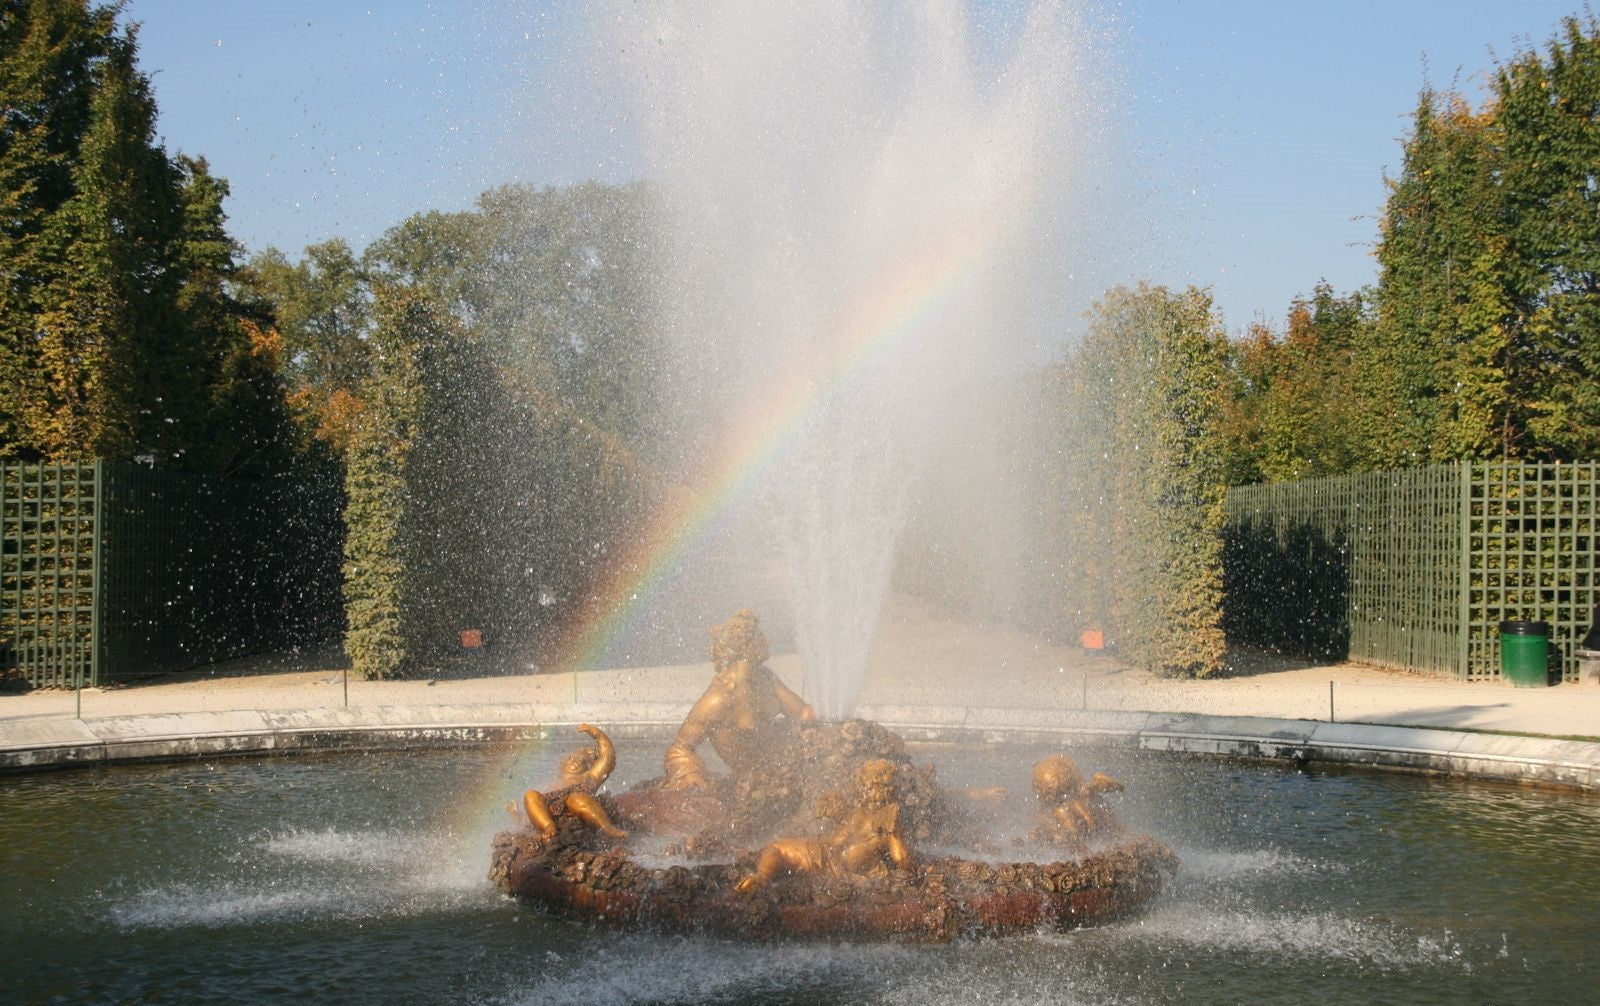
[793, 705]
[683, 768]
[604, 763]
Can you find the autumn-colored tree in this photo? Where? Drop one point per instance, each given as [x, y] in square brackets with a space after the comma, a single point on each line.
[1290, 409]
[117, 320]
[321, 307]
[1546, 108]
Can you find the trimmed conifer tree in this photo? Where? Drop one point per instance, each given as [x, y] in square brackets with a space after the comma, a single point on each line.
[379, 637]
[1149, 378]
[1547, 113]
[115, 320]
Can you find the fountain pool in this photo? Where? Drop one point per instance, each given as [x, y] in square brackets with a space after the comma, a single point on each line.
[342, 879]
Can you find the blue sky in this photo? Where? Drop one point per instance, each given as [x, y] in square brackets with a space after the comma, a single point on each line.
[1259, 130]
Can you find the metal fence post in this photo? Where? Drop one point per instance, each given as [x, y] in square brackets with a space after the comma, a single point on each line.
[1464, 579]
[97, 573]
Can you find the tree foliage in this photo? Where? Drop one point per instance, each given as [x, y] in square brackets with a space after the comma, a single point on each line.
[1547, 114]
[1482, 337]
[118, 334]
[321, 308]
[487, 376]
[1435, 372]
[1291, 408]
[1149, 378]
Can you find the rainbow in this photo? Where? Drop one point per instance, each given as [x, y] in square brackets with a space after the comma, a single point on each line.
[917, 297]
[914, 299]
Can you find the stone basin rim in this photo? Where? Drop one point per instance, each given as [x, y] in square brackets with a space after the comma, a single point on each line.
[41, 743]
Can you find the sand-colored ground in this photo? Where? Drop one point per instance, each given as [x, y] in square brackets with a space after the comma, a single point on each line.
[920, 658]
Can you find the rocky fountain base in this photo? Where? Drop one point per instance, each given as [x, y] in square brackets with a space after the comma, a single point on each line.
[707, 844]
[821, 830]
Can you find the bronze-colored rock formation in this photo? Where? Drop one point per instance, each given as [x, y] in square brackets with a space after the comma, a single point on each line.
[815, 833]
[937, 901]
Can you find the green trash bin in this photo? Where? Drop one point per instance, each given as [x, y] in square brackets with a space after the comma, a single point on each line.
[1525, 653]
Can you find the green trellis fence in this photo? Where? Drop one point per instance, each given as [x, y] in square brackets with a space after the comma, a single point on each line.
[1416, 568]
[110, 569]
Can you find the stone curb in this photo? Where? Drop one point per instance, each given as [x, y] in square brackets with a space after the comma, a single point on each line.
[34, 744]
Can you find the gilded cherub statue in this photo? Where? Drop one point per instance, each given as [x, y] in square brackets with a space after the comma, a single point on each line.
[867, 840]
[1071, 810]
[737, 709]
[583, 772]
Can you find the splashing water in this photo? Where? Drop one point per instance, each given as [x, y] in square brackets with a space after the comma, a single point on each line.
[308, 876]
[859, 200]
[336, 879]
[1314, 935]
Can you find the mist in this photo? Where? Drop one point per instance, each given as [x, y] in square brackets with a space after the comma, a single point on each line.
[865, 213]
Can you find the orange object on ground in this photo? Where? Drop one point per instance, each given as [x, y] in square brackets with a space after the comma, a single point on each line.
[471, 639]
[1092, 639]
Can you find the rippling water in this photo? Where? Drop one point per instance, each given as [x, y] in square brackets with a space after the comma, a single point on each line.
[353, 879]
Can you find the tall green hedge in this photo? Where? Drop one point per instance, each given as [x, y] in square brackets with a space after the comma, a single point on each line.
[1089, 496]
[380, 637]
[1144, 399]
[1482, 336]
[119, 334]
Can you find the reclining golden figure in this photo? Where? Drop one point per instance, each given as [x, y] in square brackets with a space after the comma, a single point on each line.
[583, 772]
[737, 709]
[866, 841]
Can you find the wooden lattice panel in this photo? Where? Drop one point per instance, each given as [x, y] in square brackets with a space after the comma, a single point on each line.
[1530, 553]
[48, 526]
[1422, 564]
[109, 570]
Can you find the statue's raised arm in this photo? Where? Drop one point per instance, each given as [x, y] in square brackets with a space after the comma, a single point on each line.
[605, 758]
[582, 773]
[793, 705]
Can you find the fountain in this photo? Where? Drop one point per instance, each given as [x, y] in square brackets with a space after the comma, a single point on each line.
[819, 831]
[861, 207]
[858, 218]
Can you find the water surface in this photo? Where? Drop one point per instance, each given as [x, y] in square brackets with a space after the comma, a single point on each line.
[359, 879]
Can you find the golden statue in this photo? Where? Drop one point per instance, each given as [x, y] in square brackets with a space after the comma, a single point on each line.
[1072, 810]
[583, 772]
[866, 841]
[737, 708]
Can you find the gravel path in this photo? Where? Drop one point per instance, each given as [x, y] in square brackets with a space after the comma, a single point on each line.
[921, 658]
